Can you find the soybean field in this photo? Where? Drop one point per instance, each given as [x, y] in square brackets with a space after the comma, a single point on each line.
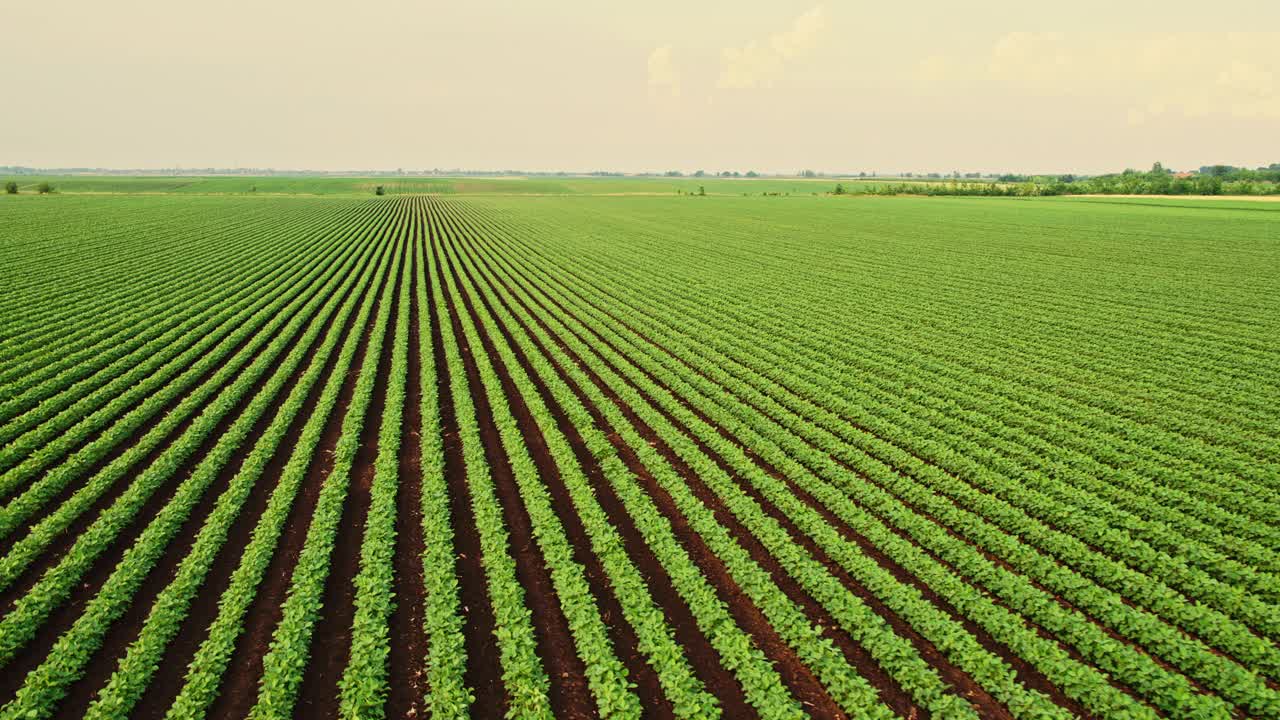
[440, 455]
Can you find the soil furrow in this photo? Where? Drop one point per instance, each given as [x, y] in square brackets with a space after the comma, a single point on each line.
[484, 671]
[569, 694]
[125, 629]
[957, 678]
[407, 678]
[66, 614]
[999, 561]
[167, 681]
[240, 685]
[331, 636]
[622, 635]
[798, 677]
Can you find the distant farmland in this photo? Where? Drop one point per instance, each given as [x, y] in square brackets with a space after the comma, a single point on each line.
[454, 455]
[407, 185]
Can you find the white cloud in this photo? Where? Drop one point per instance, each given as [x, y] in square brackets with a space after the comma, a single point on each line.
[1195, 74]
[1033, 59]
[760, 64]
[664, 76]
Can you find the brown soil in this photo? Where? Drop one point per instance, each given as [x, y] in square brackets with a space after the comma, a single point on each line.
[167, 681]
[125, 629]
[318, 696]
[407, 678]
[483, 670]
[702, 656]
[622, 635]
[66, 614]
[569, 695]
[240, 685]
[798, 678]
[65, 539]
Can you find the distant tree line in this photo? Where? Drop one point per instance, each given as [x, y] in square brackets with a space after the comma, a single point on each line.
[723, 173]
[1208, 180]
[44, 188]
[987, 189]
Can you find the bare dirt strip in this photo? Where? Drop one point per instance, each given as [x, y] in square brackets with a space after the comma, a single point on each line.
[622, 635]
[240, 685]
[331, 636]
[64, 541]
[1018, 663]
[799, 679]
[483, 669]
[570, 697]
[407, 678]
[126, 629]
[66, 614]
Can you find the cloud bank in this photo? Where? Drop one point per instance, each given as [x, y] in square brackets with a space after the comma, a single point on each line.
[1152, 75]
[664, 76]
[761, 63]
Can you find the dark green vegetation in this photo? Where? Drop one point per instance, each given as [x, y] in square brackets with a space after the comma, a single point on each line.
[424, 455]
[1209, 180]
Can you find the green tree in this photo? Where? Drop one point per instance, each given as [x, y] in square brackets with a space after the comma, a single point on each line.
[11, 188]
[1209, 185]
[380, 190]
[702, 191]
[44, 188]
[839, 189]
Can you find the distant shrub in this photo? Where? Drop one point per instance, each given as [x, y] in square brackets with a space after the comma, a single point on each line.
[840, 189]
[11, 188]
[44, 188]
[380, 190]
[702, 190]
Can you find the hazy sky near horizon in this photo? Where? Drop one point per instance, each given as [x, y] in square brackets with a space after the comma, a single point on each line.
[837, 85]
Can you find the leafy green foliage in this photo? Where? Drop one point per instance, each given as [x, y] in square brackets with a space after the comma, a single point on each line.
[962, 457]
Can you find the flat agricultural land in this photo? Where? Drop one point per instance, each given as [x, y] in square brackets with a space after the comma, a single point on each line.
[488, 455]
[467, 185]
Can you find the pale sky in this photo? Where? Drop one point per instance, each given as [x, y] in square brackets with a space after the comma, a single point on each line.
[837, 85]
